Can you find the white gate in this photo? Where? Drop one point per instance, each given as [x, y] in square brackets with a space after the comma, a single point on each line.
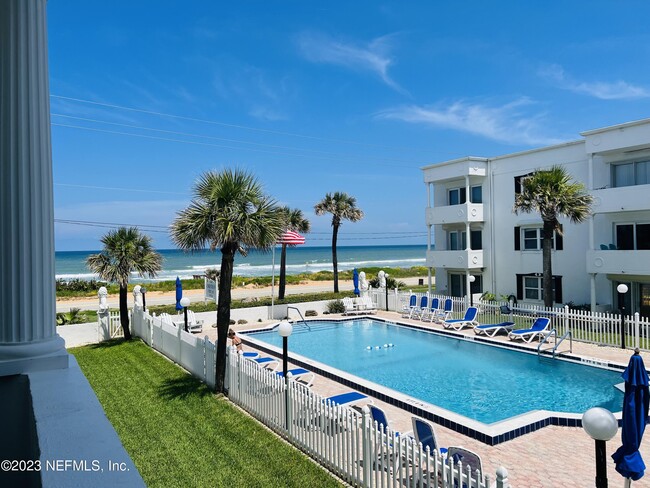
[115, 325]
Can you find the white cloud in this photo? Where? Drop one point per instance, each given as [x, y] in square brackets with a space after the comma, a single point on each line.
[506, 123]
[372, 56]
[617, 90]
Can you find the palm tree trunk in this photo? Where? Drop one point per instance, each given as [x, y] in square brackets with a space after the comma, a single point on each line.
[223, 313]
[283, 272]
[124, 313]
[335, 263]
[547, 270]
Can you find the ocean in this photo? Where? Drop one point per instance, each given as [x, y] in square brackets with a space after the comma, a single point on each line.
[72, 264]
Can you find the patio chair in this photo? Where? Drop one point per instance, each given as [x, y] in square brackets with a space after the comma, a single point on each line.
[166, 318]
[466, 458]
[193, 325]
[267, 362]
[537, 330]
[468, 321]
[491, 330]
[424, 433]
[302, 375]
[349, 306]
[447, 310]
[387, 460]
[431, 313]
[603, 247]
[368, 305]
[332, 420]
[417, 312]
[379, 416]
[407, 309]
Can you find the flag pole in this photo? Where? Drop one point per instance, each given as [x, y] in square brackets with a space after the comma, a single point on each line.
[273, 285]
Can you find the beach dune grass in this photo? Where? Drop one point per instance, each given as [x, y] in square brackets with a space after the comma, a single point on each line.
[179, 433]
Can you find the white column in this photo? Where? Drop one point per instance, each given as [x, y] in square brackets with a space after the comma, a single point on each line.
[28, 338]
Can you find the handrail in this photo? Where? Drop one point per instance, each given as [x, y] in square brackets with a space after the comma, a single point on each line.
[545, 339]
[303, 318]
[568, 334]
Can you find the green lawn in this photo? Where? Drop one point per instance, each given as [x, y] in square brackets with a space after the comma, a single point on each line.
[179, 433]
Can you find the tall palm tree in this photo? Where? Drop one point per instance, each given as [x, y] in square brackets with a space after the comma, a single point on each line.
[342, 207]
[295, 221]
[553, 194]
[126, 250]
[230, 212]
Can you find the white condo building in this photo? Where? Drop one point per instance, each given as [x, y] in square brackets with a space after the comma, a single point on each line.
[473, 231]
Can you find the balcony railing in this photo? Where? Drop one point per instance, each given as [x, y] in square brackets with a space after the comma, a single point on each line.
[619, 262]
[623, 199]
[454, 214]
[465, 259]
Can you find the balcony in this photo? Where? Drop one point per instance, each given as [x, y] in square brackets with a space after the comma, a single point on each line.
[619, 262]
[465, 259]
[623, 199]
[455, 214]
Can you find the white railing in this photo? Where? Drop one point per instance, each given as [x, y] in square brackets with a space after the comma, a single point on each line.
[339, 438]
[115, 325]
[602, 328]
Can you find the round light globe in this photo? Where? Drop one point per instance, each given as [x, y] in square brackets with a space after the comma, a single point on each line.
[285, 329]
[622, 288]
[143, 289]
[472, 278]
[600, 424]
[185, 302]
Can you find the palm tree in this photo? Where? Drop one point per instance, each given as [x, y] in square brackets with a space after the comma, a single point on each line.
[342, 207]
[230, 212]
[553, 194]
[295, 221]
[126, 250]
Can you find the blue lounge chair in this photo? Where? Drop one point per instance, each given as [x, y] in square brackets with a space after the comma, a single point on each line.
[447, 310]
[349, 398]
[407, 309]
[417, 312]
[491, 330]
[267, 362]
[537, 330]
[303, 375]
[468, 321]
[379, 416]
[466, 458]
[424, 433]
[432, 312]
[250, 354]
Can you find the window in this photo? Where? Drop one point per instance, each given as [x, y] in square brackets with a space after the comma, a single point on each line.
[457, 240]
[476, 193]
[531, 287]
[518, 180]
[532, 238]
[629, 174]
[457, 196]
[631, 237]
[476, 239]
[458, 284]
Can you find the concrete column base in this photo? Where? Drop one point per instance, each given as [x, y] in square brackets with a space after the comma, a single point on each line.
[33, 356]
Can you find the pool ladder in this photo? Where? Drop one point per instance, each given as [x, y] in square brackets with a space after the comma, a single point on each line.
[553, 332]
[304, 322]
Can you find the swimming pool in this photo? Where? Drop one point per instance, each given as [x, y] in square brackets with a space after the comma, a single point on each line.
[484, 383]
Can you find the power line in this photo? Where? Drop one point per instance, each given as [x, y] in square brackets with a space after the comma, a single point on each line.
[118, 189]
[225, 124]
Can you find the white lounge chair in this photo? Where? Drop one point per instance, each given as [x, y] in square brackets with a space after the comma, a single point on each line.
[348, 303]
[417, 312]
[468, 321]
[446, 312]
[537, 330]
[166, 319]
[303, 375]
[368, 305]
[432, 312]
[193, 325]
[491, 330]
[408, 309]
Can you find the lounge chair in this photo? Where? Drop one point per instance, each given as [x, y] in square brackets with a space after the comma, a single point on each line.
[491, 330]
[349, 306]
[193, 324]
[408, 309]
[379, 416]
[432, 312]
[249, 354]
[417, 312]
[166, 319]
[387, 460]
[466, 458]
[447, 310]
[468, 321]
[303, 375]
[537, 330]
[349, 399]
[368, 304]
[267, 362]
[424, 433]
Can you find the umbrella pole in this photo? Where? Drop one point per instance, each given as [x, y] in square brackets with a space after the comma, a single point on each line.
[628, 483]
[273, 284]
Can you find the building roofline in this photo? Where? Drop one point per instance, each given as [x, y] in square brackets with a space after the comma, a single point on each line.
[539, 149]
[457, 160]
[614, 127]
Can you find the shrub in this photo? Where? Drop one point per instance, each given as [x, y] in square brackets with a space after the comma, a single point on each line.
[311, 313]
[242, 321]
[335, 306]
[232, 322]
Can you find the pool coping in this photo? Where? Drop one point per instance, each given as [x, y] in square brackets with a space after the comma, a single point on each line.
[490, 434]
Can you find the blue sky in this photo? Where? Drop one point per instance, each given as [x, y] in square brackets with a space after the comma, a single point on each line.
[316, 97]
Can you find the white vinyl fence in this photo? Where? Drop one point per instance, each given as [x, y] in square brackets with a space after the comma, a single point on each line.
[602, 328]
[346, 442]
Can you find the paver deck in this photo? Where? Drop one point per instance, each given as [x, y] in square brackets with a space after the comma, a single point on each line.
[552, 457]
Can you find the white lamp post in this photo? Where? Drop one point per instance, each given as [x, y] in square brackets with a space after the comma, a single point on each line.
[472, 279]
[285, 329]
[185, 302]
[622, 290]
[601, 425]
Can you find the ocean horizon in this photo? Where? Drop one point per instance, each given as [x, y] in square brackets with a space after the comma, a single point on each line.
[72, 264]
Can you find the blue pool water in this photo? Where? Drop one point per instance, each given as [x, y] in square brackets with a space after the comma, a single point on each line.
[484, 383]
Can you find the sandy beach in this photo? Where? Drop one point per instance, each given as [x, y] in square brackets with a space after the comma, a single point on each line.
[249, 291]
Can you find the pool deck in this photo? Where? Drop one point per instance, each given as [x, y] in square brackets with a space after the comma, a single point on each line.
[551, 457]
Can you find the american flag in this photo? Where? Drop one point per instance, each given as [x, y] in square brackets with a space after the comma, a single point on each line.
[290, 237]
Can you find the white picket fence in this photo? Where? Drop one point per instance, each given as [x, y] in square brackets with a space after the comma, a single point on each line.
[115, 325]
[347, 443]
[601, 328]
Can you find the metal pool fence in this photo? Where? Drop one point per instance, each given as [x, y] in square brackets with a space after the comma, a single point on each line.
[343, 440]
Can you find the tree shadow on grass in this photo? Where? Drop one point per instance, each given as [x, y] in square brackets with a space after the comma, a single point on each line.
[109, 343]
[184, 387]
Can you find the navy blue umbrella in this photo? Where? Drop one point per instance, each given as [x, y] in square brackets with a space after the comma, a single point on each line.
[635, 417]
[179, 293]
[355, 280]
